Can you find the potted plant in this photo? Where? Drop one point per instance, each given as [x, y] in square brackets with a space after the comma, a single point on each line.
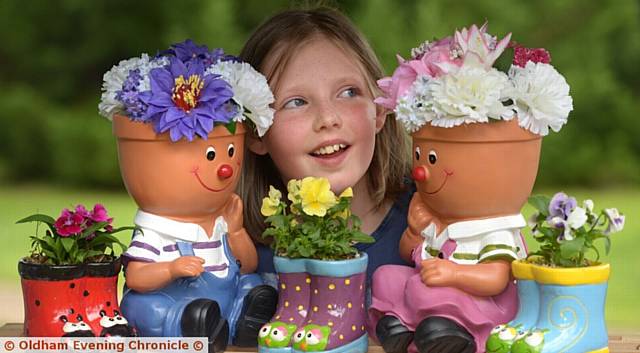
[477, 134]
[562, 285]
[179, 119]
[321, 275]
[69, 281]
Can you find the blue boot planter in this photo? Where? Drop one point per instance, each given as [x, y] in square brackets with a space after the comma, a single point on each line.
[335, 313]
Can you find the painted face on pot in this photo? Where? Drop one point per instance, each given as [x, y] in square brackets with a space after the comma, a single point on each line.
[182, 179]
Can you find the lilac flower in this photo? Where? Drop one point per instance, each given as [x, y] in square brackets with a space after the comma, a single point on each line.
[616, 220]
[131, 98]
[189, 52]
[561, 205]
[186, 102]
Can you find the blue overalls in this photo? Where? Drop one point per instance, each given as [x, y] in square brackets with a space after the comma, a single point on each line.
[158, 313]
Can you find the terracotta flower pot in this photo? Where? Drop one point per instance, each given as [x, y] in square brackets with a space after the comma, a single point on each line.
[478, 170]
[178, 171]
[69, 300]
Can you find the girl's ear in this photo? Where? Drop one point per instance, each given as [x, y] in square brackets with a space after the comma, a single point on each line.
[256, 144]
[381, 117]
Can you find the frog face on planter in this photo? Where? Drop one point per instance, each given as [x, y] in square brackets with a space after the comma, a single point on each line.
[180, 179]
[501, 339]
[476, 170]
[532, 342]
[276, 334]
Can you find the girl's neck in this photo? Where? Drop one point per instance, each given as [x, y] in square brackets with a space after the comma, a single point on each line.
[364, 207]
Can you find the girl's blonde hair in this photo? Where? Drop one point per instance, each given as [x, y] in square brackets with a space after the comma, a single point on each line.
[277, 40]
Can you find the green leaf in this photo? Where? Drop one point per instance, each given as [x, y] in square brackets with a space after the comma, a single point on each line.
[38, 218]
[572, 248]
[94, 227]
[67, 243]
[540, 203]
[361, 237]
[231, 127]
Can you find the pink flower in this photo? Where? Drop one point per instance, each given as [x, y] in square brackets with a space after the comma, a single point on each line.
[440, 59]
[69, 223]
[99, 214]
[522, 55]
[476, 46]
[397, 85]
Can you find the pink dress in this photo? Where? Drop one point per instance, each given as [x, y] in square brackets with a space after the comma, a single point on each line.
[398, 290]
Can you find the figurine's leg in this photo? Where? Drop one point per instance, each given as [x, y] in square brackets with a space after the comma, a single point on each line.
[394, 336]
[146, 312]
[257, 302]
[203, 318]
[442, 335]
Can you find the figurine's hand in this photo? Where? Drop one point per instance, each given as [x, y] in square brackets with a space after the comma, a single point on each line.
[233, 213]
[419, 215]
[438, 272]
[186, 266]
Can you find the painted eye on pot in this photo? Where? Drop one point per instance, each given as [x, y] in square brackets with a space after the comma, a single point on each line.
[433, 157]
[231, 150]
[211, 153]
[417, 153]
[264, 331]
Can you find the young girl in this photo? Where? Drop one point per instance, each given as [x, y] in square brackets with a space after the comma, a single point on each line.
[323, 74]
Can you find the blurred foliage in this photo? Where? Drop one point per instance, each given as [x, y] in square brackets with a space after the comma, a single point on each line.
[54, 54]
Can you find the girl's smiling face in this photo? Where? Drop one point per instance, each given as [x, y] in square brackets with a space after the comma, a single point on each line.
[325, 122]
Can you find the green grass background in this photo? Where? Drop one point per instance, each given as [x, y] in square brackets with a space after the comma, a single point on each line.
[622, 311]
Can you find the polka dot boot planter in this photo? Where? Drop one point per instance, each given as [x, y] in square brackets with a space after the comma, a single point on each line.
[320, 307]
[71, 300]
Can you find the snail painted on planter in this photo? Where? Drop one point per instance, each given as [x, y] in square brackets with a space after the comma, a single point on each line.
[178, 122]
[476, 143]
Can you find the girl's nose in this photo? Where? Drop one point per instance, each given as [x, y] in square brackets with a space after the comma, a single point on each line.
[326, 117]
[225, 171]
[420, 173]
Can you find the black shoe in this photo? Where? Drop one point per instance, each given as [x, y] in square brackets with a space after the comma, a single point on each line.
[440, 335]
[393, 335]
[202, 318]
[258, 308]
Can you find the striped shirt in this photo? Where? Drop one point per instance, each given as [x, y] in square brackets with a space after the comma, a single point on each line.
[157, 242]
[478, 241]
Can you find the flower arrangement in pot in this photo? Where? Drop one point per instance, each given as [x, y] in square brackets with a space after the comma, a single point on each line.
[321, 276]
[69, 281]
[477, 135]
[562, 286]
[180, 119]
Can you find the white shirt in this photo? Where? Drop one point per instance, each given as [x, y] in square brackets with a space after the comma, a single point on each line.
[157, 242]
[478, 240]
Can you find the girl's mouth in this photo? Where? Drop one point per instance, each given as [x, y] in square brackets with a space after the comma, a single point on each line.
[330, 151]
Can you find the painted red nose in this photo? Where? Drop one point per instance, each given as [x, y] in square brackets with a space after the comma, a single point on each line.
[225, 171]
[419, 173]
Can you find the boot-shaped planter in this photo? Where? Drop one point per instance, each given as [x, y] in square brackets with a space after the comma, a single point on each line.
[71, 300]
[336, 320]
[571, 316]
[293, 306]
[503, 336]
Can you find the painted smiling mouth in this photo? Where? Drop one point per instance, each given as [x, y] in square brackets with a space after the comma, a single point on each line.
[447, 175]
[195, 172]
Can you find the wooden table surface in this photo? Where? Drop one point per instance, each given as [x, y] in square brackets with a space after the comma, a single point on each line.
[618, 343]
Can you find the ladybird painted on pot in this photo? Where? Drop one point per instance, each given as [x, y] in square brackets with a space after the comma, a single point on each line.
[76, 329]
[115, 325]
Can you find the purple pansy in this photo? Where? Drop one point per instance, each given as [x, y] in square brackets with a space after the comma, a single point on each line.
[561, 206]
[185, 102]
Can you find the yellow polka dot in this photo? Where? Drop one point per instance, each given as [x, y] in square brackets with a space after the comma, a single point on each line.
[309, 321]
[315, 308]
[277, 317]
[290, 319]
[328, 306]
[349, 305]
[353, 328]
[332, 286]
[315, 291]
[283, 286]
[330, 324]
[286, 304]
[300, 307]
[341, 337]
[347, 281]
[298, 288]
[362, 327]
[308, 280]
[361, 287]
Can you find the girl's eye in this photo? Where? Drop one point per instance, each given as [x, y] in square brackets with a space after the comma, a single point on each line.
[294, 103]
[349, 93]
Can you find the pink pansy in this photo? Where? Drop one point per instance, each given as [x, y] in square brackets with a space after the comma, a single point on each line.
[522, 55]
[477, 47]
[69, 223]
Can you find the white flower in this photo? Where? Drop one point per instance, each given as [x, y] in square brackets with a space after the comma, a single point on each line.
[588, 205]
[414, 108]
[471, 95]
[540, 97]
[616, 220]
[114, 79]
[250, 90]
[577, 218]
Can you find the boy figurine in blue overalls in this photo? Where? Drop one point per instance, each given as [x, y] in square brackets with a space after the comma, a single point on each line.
[189, 265]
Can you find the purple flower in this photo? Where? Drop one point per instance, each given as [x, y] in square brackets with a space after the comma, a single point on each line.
[131, 98]
[561, 206]
[99, 214]
[189, 52]
[70, 223]
[185, 102]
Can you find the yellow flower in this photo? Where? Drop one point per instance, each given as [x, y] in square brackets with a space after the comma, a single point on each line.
[270, 204]
[293, 188]
[348, 192]
[317, 196]
[344, 214]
